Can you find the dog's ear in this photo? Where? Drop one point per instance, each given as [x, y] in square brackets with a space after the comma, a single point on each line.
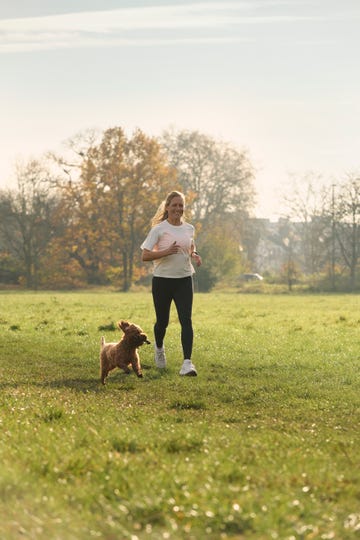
[123, 325]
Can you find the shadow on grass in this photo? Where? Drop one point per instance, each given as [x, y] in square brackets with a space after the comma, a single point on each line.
[116, 379]
[123, 381]
[81, 385]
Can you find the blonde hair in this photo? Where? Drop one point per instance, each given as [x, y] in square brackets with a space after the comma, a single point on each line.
[162, 213]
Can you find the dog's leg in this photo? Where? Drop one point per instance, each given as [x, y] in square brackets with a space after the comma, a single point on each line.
[103, 368]
[104, 374]
[103, 371]
[135, 362]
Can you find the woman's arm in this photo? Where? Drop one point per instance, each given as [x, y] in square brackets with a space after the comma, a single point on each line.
[149, 255]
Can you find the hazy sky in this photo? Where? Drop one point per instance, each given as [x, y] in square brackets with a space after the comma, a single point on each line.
[279, 78]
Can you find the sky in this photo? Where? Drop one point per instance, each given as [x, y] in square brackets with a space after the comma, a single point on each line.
[277, 78]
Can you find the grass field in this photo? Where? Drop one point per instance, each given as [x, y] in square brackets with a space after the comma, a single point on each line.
[263, 444]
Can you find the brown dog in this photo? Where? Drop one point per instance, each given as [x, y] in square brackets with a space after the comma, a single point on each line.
[123, 353]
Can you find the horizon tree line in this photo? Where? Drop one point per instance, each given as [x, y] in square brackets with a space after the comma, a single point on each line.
[78, 219]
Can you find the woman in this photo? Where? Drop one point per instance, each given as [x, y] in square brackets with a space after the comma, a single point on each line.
[170, 246]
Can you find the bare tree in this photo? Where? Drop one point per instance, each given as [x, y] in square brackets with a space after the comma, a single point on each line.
[347, 212]
[219, 176]
[26, 218]
[307, 205]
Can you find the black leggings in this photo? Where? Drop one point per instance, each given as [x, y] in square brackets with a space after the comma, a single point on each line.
[164, 291]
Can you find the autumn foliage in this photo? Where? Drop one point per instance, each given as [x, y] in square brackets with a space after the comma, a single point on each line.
[104, 215]
[82, 224]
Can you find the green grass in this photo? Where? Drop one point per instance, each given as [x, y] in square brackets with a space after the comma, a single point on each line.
[263, 444]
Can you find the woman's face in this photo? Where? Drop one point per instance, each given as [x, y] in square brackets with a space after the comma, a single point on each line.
[175, 208]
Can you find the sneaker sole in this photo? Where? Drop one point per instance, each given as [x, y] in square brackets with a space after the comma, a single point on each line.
[189, 374]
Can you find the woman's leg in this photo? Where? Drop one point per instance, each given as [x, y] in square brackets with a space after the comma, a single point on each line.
[162, 297]
[183, 298]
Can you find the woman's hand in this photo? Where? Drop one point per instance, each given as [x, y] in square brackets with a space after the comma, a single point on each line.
[172, 249]
[196, 258]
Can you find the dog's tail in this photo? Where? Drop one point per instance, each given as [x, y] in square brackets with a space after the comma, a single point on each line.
[102, 342]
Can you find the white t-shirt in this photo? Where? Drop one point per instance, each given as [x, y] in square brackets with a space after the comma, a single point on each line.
[160, 237]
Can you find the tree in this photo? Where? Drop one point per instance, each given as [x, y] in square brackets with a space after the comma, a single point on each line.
[219, 176]
[347, 223]
[307, 203]
[327, 224]
[26, 225]
[120, 183]
[136, 176]
[220, 253]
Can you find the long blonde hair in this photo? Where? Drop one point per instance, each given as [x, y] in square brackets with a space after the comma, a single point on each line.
[162, 213]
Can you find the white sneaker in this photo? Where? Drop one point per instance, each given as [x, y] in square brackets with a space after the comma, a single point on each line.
[160, 358]
[188, 369]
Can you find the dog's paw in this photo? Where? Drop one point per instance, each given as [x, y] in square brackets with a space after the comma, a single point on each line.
[140, 375]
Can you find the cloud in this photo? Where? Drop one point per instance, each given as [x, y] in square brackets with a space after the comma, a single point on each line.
[217, 22]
